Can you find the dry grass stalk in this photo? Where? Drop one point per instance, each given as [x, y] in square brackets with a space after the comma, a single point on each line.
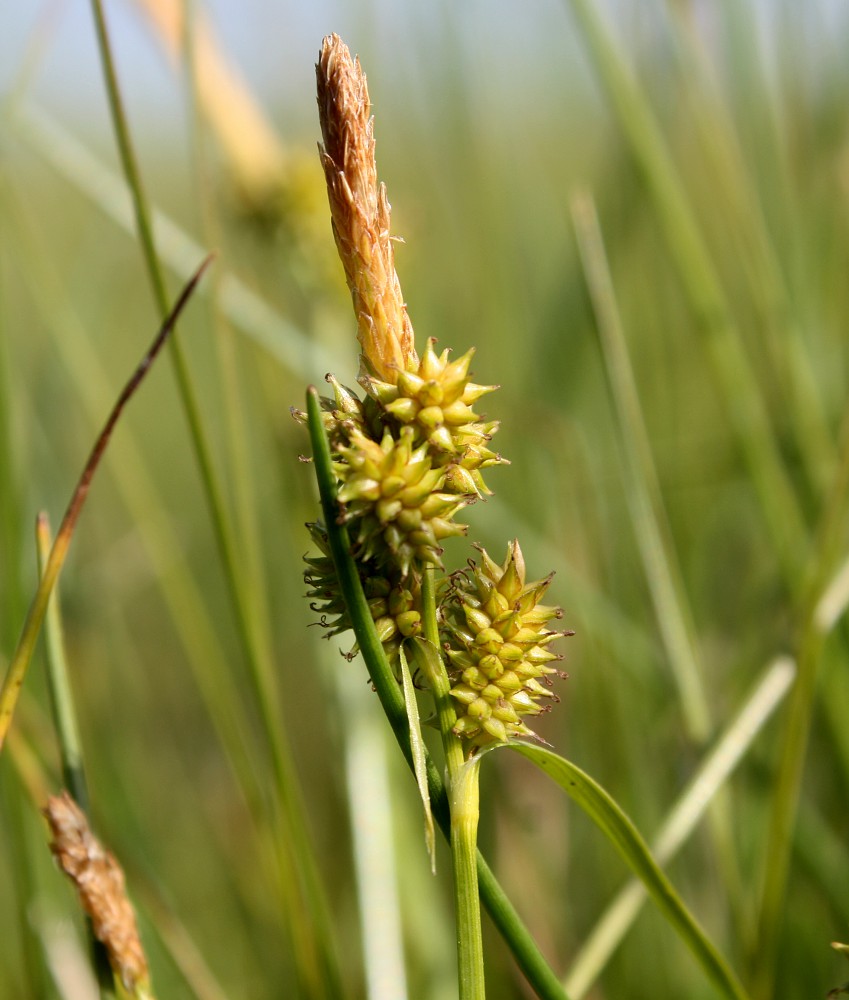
[360, 212]
[100, 885]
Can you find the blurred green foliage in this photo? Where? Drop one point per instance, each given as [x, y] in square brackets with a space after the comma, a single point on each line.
[480, 170]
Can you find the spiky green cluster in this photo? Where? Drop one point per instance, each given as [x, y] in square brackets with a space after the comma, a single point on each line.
[409, 457]
[436, 400]
[393, 605]
[393, 496]
[497, 642]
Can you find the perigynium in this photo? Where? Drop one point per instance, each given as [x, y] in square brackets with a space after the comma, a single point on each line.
[409, 457]
[497, 642]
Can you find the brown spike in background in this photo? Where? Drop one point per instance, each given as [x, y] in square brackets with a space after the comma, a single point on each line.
[100, 886]
[360, 212]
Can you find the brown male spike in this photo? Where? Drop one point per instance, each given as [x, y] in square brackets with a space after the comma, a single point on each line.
[360, 213]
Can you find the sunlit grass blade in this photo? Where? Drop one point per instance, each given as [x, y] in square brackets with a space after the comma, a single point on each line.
[648, 515]
[507, 920]
[829, 542]
[707, 299]
[834, 601]
[10, 520]
[59, 684]
[373, 829]
[631, 847]
[19, 664]
[682, 819]
[784, 342]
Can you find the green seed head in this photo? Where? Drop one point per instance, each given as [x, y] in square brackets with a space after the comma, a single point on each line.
[497, 644]
[394, 500]
[435, 399]
[395, 608]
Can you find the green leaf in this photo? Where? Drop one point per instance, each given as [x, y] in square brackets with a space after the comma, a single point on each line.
[625, 837]
[419, 756]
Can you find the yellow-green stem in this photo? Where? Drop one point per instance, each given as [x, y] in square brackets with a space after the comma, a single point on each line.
[464, 835]
[463, 798]
[58, 683]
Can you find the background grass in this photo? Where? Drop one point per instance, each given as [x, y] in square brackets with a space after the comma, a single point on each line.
[486, 126]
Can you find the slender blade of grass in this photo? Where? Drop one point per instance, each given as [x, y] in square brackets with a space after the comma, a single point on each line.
[631, 847]
[701, 282]
[315, 954]
[682, 819]
[648, 514]
[19, 664]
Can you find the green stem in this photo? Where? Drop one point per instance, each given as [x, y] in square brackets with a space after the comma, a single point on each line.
[464, 836]
[508, 922]
[59, 685]
[70, 745]
[463, 796]
[318, 965]
[794, 743]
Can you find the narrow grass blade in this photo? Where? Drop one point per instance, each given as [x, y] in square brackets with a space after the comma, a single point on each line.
[417, 747]
[642, 489]
[367, 779]
[59, 684]
[794, 745]
[683, 818]
[315, 954]
[631, 847]
[10, 518]
[530, 960]
[20, 661]
[835, 600]
[699, 277]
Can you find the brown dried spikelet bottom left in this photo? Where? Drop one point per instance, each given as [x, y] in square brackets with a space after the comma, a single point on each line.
[100, 885]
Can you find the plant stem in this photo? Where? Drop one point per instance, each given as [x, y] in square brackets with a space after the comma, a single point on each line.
[318, 965]
[463, 799]
[59, 686]
[67, 730]
[464, 835]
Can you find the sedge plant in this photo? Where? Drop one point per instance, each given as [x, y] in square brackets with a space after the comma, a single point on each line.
[407, 458]
[396, 465]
